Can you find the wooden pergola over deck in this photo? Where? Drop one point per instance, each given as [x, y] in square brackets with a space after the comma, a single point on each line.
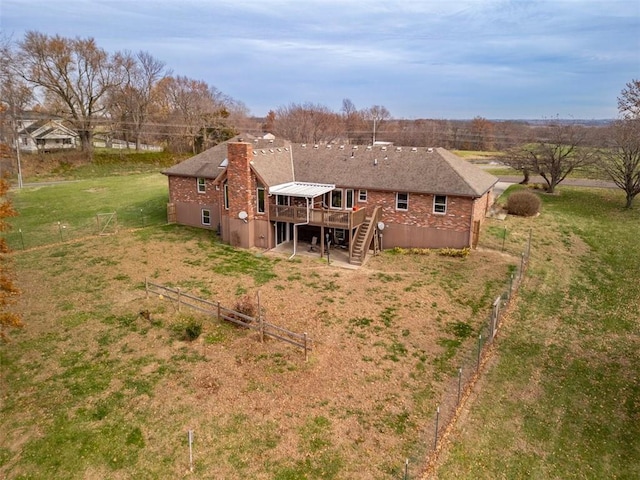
[308, 215]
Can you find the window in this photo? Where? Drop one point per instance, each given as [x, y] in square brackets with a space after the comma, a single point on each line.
[206, 217]
[226, 195]
[362, 195]
[349, 198]
[202, 187]
[260, 200]
[283, 200]
[336, 199]
[440, 204]
[402, 201]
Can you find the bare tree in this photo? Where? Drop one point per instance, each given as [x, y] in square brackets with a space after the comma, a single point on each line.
[376, 115]
[308, 123]
[75, 74]
[193, 110]
[629, 100]
[130, 103]
[557, 153]
[621, 159]
[482, 134]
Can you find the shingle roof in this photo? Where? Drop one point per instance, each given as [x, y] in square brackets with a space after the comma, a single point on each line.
[208, 163]
[389, 168]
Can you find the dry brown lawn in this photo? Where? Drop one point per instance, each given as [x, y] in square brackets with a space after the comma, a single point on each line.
[386, 337]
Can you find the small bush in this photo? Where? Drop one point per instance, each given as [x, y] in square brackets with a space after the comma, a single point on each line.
[188, 328]
[454, 252]
[246, 306]
[523, 203]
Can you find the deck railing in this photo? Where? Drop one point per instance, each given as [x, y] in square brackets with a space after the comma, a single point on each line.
[317, 216]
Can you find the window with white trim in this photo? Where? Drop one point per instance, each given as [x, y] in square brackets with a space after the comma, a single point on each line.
[440, 204]
[362, 195]
[260, 200]
[402, 201]
[202, 186]
[226, 195]
[206, 216]
[348, 198]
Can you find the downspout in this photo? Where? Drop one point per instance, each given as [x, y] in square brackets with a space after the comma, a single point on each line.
[295, 230]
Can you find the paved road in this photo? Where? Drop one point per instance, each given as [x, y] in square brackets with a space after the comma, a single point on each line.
[569, 182]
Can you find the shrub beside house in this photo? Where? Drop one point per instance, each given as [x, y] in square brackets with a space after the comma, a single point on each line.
[261, 192]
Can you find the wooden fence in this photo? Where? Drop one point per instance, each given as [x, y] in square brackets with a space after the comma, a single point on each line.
[179, 298]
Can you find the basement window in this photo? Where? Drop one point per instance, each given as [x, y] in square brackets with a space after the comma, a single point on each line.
[206, 217]
[440, 204]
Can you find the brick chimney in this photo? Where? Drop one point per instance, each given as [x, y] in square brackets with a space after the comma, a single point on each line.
[239, 178]
[241, 188]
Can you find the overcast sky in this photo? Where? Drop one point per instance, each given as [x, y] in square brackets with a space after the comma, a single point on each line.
[498, 59]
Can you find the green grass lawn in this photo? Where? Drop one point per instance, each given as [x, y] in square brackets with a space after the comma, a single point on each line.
[138, 200]
[563, 397]
[89, 377]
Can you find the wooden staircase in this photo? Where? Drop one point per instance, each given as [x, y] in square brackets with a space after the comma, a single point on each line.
[363, 238]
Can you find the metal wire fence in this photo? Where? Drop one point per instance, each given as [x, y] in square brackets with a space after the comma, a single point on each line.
[65, 230]
[460, 382]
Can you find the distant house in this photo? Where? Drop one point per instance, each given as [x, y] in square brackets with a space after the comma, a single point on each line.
[262, 192]
[43, 133]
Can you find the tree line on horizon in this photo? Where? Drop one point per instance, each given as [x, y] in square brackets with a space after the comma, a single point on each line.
[138, 99]
[135, 97]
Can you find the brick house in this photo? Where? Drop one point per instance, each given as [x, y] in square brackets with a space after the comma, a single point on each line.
[261, 192]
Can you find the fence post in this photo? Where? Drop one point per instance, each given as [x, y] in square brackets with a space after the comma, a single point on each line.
[260, 318]
[306, 351]
[504, 237]
[146, 287]
[190, 450]
[406, 469]
[521, 265]
[21, 237]
[178, 298]
[511, 287]
[219, 316]
[479, 350]
[435, 443]
[459, 383]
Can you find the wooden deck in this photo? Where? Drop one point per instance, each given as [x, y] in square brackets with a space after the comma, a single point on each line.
[346, 219]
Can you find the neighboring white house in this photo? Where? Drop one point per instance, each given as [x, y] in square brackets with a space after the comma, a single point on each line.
[38, 133]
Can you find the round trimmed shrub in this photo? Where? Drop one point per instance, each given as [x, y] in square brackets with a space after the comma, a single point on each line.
[523, 203]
